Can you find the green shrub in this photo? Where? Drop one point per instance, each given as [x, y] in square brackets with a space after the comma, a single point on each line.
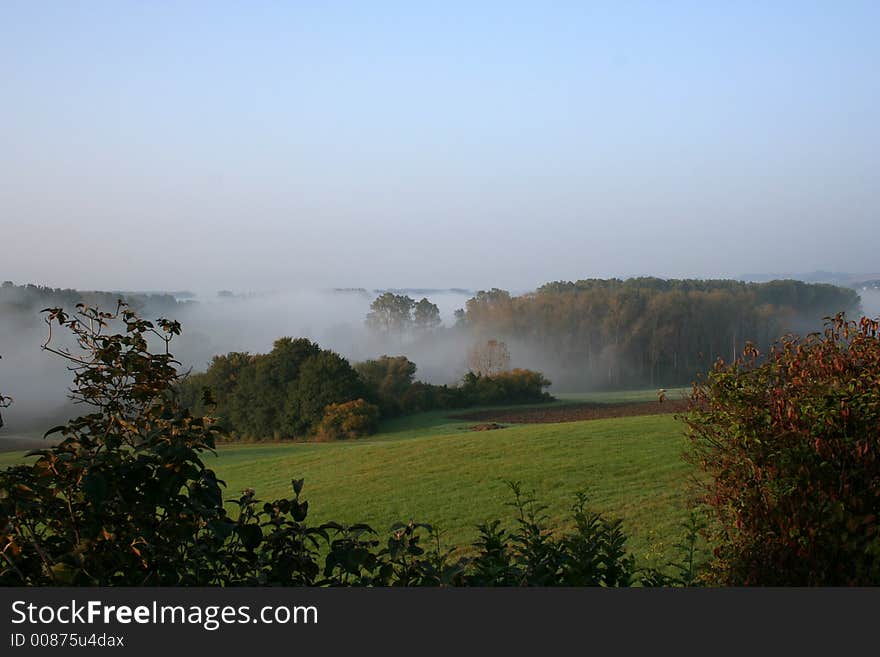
[516, 386]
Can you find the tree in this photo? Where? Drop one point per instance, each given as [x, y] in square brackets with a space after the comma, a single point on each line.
[788, 444]
[325, 378]
[388, 378]
[126, 499]
[390, 313]
[426, 315]
[124, 496]
[489, 358]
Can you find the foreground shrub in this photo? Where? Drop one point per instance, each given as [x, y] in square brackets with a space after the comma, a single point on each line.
[353, 419]
[790, 446]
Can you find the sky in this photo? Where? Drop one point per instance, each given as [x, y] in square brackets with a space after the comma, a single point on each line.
[260, 145]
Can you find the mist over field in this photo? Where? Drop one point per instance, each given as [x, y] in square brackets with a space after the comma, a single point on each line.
[334, 319]
[213, 325]
[554, 342]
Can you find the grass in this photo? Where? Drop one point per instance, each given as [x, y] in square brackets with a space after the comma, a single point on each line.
[427, 468]
[630, 467]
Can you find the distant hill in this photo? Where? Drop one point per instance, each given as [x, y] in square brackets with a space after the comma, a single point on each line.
[425, 291]
[846, 279]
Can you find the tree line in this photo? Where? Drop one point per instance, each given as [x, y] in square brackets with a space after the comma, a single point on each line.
[19, 301]
[612, 333]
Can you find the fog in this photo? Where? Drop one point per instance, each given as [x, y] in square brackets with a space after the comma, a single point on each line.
[38, 381]
[333, 319]
[870, 302]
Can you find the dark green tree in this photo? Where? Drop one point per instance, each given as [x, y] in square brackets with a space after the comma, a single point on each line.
[388, 379]
[426, 315]
[390, 313]
[325, 378]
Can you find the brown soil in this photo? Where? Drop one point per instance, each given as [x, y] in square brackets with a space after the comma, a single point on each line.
[573, 412]
[487, 426]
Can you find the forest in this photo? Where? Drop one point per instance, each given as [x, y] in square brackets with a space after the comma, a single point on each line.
[611, 333]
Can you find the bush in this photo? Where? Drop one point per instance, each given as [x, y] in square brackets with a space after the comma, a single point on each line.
[428, 397]
[517, 386]
[352, 419]
[790, 444]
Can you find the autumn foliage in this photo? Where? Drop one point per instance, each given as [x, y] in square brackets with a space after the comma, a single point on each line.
[789, 446]
[353, 419]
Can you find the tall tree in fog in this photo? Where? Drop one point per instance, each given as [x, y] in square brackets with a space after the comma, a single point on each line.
[489, 358]
[426, 315]
[390, 313]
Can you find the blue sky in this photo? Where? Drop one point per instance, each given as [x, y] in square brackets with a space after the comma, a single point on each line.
[266, 145]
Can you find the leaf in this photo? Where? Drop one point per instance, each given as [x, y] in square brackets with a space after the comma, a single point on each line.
[60, 427]
[251, 536]
[95, 487]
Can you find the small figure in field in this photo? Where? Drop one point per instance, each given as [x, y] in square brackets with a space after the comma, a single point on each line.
[661, 395]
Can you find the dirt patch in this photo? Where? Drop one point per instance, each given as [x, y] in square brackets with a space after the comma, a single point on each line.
[573, 412]
[486, 426]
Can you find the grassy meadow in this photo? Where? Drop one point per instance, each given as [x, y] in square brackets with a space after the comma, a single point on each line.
[430, 468]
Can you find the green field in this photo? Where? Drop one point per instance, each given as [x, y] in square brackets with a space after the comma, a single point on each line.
[432, 469]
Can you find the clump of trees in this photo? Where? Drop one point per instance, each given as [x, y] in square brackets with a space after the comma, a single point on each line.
[789, 447]
[516, 386]
[289, 392]
[125, 499]
[398, 314]
[282, 394]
